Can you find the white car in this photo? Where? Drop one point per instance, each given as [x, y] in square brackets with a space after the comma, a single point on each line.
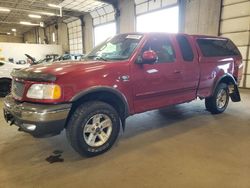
[5, 77]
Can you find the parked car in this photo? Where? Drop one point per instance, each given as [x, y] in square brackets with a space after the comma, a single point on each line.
[48, 59]
[5, 77]
[70, 57]
[128, 74]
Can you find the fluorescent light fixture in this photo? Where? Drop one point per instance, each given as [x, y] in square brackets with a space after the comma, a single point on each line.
[2, 9]
[28, 23]
[14, 30]
[25, 23]
[8, 33]
[54, 6]
[34, 16]
[47, 13]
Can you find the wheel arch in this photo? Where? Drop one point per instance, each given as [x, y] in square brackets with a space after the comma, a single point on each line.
[229, 80]
[226, 78]
[6, 78]
[105, 94]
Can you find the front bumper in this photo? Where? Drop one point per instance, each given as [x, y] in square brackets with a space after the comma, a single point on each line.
[37, 119]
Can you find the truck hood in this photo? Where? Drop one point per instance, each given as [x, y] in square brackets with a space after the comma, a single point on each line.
[52, 71]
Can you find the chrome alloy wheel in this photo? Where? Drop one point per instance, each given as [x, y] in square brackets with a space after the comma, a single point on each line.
[221, 99]
[97, 130]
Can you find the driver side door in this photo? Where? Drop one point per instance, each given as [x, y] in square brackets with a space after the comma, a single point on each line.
[156, 85]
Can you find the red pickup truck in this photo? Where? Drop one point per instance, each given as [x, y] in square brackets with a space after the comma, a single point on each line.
[127, 74]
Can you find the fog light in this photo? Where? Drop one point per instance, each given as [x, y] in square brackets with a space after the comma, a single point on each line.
[29, 127]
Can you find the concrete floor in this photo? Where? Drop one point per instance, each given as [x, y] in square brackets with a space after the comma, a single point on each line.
[181, 146]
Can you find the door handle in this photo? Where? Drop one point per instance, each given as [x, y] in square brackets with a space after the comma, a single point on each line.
[177, 72]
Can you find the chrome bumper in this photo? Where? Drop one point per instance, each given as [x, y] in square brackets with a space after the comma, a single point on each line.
[46, 118]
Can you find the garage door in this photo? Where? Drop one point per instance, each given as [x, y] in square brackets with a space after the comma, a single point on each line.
[157, 15]
[75, 37]
[104, 23]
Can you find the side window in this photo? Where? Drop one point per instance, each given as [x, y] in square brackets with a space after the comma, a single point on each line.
[186, 49]
[217, 47]
[163, 48]
[1, 64]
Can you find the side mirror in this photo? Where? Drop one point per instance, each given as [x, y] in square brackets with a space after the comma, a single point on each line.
[149, 57]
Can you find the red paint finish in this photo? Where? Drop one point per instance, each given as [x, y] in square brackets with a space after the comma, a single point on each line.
[149, 86]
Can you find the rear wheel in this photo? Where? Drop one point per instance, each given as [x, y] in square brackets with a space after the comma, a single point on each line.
[93, 128]
[5, 85]
[219, 101]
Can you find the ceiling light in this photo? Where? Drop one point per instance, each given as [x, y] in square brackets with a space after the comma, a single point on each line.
[8, 33]
[4, 9]
[25, 23]
[54, 6]
[28, 23]
[47, 13]
[14, 30]
[34, 16]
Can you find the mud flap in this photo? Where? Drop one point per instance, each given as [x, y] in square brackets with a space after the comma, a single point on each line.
[235, 94]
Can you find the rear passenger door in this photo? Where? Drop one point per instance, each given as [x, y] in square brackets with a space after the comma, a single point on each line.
[189, 64]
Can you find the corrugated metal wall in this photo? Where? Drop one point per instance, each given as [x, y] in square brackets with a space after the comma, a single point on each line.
[235, 24]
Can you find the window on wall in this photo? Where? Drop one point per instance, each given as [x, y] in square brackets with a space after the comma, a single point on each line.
[104, 23]
[75, 37]
[53, 37]
[157, 16]
[102, 32]
[165, 20]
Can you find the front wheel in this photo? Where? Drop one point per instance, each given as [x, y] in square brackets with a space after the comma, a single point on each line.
[93, 128]
[219, 101]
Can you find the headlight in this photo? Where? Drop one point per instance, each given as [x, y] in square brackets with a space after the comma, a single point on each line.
[44, 91]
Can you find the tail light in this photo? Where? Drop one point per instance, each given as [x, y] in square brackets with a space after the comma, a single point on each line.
[238, 70]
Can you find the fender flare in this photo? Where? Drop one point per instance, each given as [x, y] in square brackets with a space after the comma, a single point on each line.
[235, 95]
[229, 76]
[95, 89]
[6, 78]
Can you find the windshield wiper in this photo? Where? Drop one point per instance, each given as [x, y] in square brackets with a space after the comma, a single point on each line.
[97, 57]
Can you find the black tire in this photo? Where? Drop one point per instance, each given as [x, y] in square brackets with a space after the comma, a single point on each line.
[211, 102]
[5, 86]
[78, 121]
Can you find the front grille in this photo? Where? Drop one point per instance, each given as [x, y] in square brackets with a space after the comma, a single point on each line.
[17, 89]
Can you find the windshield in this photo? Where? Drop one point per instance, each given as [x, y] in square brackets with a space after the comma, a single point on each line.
[119, 47]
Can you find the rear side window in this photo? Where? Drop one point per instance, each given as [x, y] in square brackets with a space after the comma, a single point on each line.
[217, 47]
[186, 50]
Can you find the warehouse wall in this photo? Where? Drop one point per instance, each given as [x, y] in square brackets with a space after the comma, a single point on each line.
[127, 16]
[63, 37]
[196, 16]
[17, 50]
[11, 38]
[30, 36]
[88, 33]
[202, 16]
[45, 35]
[235, 24]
